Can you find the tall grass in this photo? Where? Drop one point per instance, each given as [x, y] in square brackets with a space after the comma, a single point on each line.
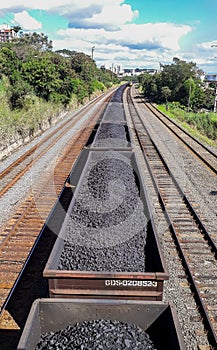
[15, 124]
[202, 125]
[32, 119]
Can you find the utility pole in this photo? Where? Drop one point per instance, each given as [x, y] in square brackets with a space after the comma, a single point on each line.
[112, 71]
[92, 50]
[189, 97]
[215, 100]
[189, 93]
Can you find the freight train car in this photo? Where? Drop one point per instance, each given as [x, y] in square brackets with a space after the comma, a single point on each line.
[106, 268]
[107, 244]
[101, 324]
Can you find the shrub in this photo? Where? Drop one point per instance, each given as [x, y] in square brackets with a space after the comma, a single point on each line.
[204, 123]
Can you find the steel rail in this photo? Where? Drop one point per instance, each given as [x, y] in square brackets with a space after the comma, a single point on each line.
[21, 223]
[57, 133]
[208, 323]
[199, 154]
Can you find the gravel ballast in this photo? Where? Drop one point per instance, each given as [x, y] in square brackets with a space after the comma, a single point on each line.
[197, 182]
[195, 179]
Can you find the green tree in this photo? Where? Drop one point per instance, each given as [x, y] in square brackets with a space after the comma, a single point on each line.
[18, 93]
[189, 87]
[79, 89]
[198, 100]
[175, 74]
[182, 78]
[29, 63]
[9, 63]
[39, 42]
[66, 75]
[31, 44]
[106, 76]
[151, 86]
[16, 28]
[166, 93]
[42, 75]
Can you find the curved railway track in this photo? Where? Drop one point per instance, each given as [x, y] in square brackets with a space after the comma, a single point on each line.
[194, 243]
[21, 234]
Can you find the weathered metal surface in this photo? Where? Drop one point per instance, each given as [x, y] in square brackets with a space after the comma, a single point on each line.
[159, 320]
[148, 284]
[20, 234]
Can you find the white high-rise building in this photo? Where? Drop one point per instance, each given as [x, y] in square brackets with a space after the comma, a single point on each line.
[6, 33]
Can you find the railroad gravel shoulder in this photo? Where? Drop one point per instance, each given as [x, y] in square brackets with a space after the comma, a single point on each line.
[28, 183]
[199, 183]
[196, 180]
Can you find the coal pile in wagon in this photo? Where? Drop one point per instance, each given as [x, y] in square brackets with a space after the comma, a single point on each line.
[111, 135]
[115, 110]
[97, 335]
[106, 230]
[114, 113]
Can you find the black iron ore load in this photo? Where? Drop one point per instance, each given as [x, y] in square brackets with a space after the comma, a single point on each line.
[106, 230]
[97, 335]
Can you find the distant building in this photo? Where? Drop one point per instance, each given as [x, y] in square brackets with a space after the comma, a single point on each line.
[139, 71]
[6, 33]
[132, 72]
[211, 78]
[116, 69]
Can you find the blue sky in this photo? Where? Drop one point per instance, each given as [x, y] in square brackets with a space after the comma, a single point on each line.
[130, 33]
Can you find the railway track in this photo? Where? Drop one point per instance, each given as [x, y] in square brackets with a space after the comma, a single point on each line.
[23, 252]
[207, 156]
[194, 243]
[19, 237]
[10, 175]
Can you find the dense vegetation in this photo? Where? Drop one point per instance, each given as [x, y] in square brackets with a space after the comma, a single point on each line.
[185, 96]
[201, 125]
[36, 83]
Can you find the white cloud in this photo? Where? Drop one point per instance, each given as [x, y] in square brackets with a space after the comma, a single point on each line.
[39, 4]
[165, 35]
[108, 25]
[54, 4]
[132, 45]
[26, 21]
[142, 37]
[207, 46]
[112, 16]
[204, 55]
